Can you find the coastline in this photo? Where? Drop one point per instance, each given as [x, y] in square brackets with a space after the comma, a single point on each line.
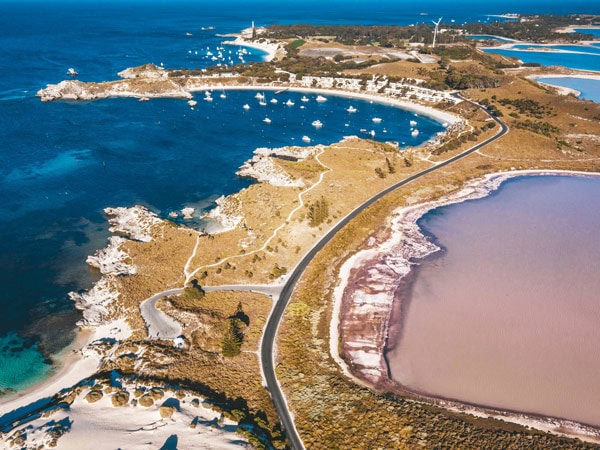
[75, 363]
[80, 360]
[563, 90]
[376, 375]
[270, 48]
[428, 111]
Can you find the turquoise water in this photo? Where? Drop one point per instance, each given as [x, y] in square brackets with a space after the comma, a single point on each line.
[590, 89]
[20, 357]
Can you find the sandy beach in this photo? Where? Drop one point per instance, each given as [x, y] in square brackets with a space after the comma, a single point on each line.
[75, 363]
[402, 220]
[270, 48]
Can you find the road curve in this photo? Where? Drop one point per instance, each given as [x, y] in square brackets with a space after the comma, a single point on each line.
[267, 355]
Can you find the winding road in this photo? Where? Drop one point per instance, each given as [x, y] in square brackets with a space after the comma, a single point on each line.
[162, 326]
[267, 355]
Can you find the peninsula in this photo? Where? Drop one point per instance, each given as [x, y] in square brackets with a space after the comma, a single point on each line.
[181, 319]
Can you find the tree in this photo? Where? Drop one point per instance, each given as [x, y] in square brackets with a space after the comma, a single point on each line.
[233, 338]
[318, 212]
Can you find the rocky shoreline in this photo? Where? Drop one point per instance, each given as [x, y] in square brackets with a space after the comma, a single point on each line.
[113, 261]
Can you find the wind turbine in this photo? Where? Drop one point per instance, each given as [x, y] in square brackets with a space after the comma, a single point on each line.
[435, 30]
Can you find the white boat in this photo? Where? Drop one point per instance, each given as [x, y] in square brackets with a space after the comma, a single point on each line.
[351, 109]
[208, 98]
[376, 119]
[246, 106]
[273, 100]
[413, 123]
[192, 103]
[72, 72]
[223, 95]
[304, 98]
[262, 102]
[414, 133]
[290, 103]
[305, 138]
[144, 99]
[188, 34]
[321, 99]
[317, 124]
[259, 96]
[266, 120]
[302, 107]
[372, 133]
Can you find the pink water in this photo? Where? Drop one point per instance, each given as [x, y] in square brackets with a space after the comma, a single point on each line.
[508, 315]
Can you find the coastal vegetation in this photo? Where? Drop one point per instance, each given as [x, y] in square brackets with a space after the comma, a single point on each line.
[532, 28]
[218, 356]
[318, 212]
[233, 337]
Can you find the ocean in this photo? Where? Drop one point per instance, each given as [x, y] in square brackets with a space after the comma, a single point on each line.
[62, 163]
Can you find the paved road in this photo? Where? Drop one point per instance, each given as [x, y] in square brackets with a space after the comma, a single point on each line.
[268, 341]
[162, 326]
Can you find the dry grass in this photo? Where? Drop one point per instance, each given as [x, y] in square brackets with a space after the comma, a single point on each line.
[400, 69]
[330, 411]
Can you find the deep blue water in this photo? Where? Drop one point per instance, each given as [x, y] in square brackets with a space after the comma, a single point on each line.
[594, 31]
[62, 163]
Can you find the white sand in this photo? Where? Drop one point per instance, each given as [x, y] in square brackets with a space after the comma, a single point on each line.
[101, 425]
[79, 362]
[268, 47]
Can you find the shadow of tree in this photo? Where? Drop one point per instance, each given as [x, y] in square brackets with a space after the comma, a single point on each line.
[170, 443]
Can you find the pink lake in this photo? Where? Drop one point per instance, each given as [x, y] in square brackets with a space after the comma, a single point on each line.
[508, 314]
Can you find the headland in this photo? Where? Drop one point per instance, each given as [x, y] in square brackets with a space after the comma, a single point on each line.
[266, 228]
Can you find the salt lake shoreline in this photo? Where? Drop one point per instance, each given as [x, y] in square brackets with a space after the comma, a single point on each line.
[403, 219]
